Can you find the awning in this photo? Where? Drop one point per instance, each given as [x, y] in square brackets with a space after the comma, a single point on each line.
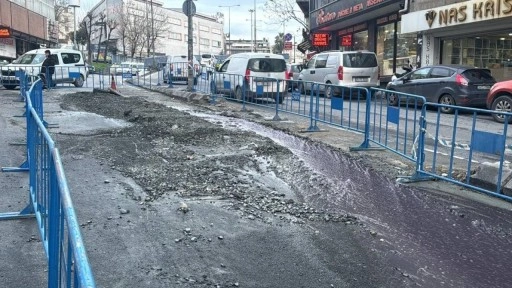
[304, 46]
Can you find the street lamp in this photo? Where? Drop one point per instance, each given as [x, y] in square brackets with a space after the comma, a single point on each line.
[253, 47]
[229, 21]
[74, 4]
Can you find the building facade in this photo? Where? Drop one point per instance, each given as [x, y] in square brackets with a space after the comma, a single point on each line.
[244, 46]
[475, 33]
[169, 27]
[26, 25]
[373, 25]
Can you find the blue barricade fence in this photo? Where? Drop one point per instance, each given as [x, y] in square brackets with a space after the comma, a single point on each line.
[50, 201]
[386, 119]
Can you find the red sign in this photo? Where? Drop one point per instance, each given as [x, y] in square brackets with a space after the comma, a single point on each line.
[346, 41]
[5, 32]
[288, 46]
[320, 39]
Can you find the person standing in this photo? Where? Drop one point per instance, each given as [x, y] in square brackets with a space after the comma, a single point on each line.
[48, 69]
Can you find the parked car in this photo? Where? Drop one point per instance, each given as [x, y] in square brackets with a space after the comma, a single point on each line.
[178, 65]
[69, 67]
[341, 68]
[445, 84]
[254, 73]
[499, 98]
[292, 73]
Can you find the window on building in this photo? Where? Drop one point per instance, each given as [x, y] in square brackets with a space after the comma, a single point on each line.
[216, 31]
[360, 40]
[175, 21]
[175, 36]
[204, 41]
[216, 43]
[204, 28]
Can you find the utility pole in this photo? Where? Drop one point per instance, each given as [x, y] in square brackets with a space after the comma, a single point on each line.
[255, 38]
[190, 13]
[253, 47]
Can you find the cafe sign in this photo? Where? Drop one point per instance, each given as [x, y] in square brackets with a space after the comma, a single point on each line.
[5, 32]
[456, 14]
[340, 10]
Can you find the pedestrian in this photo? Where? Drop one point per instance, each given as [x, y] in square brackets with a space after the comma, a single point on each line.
[48, 69]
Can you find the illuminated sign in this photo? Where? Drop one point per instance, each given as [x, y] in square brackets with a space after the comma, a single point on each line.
[320, 39]
[5, 32]
[346, 41]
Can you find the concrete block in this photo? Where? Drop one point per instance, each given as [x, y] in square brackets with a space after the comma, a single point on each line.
[486, 177]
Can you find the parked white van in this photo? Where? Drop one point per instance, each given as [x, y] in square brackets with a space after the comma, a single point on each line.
[341, 68]
[178, 65]
[255, 73]
[69, 67]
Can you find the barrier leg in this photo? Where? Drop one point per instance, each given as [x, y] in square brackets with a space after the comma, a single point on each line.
[27, 212]
[312, 124]
[22, 168]
[278, 96]
[366, 142]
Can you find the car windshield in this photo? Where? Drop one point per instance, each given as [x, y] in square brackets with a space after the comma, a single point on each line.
[267, 65]
[359, 60]
[31, 59]
[478, 75]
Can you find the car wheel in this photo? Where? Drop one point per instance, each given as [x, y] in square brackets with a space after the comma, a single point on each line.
[392, 98]
[79, 82]
[9, 87]
[502, 104]
[446, 99]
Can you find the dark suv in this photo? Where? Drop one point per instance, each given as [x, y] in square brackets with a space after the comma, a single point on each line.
[445, 84]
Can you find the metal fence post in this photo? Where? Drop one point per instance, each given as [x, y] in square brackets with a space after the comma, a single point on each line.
[278, 97]
[312, 127]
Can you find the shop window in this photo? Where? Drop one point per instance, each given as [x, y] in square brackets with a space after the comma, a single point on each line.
[360, 40]
[489, 52]
[385, 48]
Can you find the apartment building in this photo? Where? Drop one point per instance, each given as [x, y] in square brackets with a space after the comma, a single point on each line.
[167, 26]
[26, 25]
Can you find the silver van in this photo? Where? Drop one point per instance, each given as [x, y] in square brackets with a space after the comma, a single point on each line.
[347, 68]
[259, 75]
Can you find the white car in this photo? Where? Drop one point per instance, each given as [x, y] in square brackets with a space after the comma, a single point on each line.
[69, 67]
[258, 75]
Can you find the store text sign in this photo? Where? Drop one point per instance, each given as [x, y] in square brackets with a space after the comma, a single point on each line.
[339, 10]
[5, 32]
[320, 39]
[456, 14]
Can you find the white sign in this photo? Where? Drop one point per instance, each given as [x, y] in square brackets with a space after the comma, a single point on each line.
[8, 47]
[456, 14]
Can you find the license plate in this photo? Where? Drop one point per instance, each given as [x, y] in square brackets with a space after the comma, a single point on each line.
[360, 79]
[483, 87]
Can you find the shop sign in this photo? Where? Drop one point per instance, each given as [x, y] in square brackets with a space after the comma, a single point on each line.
[8, 47]
[5, 32]
[352, 29]
[387, 19]
[342, 9]
[320, 39]
[455, 14]
[346, 41]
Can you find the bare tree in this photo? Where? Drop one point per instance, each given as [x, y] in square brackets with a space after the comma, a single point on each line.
[86, 27]
[283, 11]
[278, 44]
[156, 26]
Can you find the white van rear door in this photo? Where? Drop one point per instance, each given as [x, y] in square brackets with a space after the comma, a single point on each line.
[264, 72]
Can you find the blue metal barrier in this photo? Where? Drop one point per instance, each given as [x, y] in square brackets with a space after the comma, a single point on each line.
[393, 121]
[50, 203]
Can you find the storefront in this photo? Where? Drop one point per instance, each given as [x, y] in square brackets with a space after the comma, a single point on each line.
[372, 25]
[473, 33]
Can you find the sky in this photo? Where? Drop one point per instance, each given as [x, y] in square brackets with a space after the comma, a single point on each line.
[240, 17]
